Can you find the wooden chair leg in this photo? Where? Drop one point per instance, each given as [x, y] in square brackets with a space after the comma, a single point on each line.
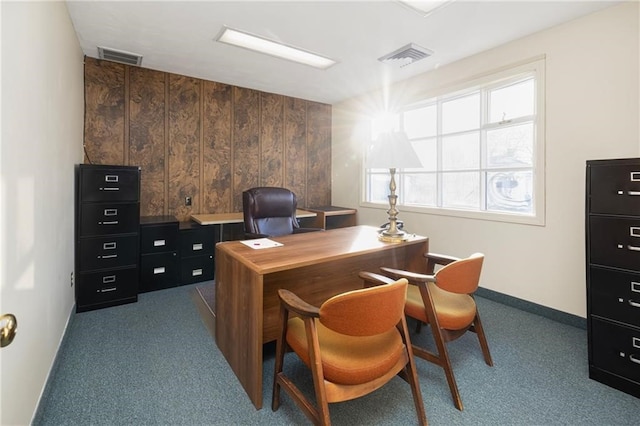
[477, 325]
[279, 362]
[411, 376]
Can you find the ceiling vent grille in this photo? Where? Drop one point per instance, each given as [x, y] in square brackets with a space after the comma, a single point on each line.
[119, 56]
[406, 55]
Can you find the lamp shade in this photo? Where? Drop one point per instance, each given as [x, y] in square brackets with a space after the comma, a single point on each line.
[392, 150]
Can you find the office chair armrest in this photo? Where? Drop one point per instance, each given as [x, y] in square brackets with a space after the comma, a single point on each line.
[413, 277]
[371, 280]
[303, 230]
[295, 304]
[440, 259]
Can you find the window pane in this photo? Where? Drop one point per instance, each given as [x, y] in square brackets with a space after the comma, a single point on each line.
[427, 151]
[421, 123]
[420, 189]
[379, 188]
[510, 192]
[461, 114]
[461, 190]
[461, 152]
[516, 100]
[510, 146]
[384, 123]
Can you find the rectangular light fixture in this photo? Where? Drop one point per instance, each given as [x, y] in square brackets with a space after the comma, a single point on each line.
[424, 8]
[273, 48]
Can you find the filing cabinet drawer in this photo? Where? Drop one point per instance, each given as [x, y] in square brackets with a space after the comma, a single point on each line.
[159, 239]
[615, 189]
[111, 218]
[615, 241]
[106, 287]
[158, 271]
[196, 269]
[615, 294]
[197, 241]
[109, 184]
[108, 252]
[618, 349]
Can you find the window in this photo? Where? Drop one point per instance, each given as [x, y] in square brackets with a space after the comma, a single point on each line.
[481, 148]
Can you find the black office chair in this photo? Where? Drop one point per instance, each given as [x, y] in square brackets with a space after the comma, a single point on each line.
[270, 212]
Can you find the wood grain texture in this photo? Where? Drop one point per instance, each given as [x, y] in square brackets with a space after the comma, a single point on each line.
[147, 136]
[271, 139]
[319, 147]
[104, 117]
[246, 149]
[184, 145]
[217, 191]
[295, 145]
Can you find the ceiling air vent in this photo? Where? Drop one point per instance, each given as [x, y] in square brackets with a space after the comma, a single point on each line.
[119, 56]
[406, 55]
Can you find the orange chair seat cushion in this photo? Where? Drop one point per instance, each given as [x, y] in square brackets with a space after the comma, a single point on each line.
[348, 360]
[455, 311]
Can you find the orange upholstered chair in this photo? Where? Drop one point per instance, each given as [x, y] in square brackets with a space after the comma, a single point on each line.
[444, 300]
[354, 344]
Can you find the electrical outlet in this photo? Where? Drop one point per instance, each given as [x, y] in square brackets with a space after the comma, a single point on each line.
[187, 201]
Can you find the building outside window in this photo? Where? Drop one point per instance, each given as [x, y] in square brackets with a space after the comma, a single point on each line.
[481, 146]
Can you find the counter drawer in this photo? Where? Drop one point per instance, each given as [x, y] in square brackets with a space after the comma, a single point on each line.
[108, 252]
[94, 288]
[616, 349]
[615, 189]
[196, 269]
[109, 218]
[109, 184]
[615, 242]
[158, 271]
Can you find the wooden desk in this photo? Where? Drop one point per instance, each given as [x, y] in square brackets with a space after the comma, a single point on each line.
[331, 217]
[314, 265]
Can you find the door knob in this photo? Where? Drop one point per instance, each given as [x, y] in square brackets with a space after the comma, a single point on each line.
[8, 326]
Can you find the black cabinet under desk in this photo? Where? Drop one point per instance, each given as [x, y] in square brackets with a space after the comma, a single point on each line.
[159, 260]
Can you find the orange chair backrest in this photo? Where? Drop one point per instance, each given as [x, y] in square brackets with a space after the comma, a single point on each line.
[365, 312]
[461, 276]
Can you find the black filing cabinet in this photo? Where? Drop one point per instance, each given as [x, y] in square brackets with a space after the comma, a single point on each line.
[159, 246]
[613, 272]
[107, 216]
[197, 246]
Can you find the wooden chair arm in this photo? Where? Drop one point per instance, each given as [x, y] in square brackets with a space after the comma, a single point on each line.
[295, 304]
[372, 280]
[411, 276]
[440, 259]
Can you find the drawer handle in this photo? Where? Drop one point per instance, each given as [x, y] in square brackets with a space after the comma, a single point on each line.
[196, 272]
[108, 256]
[633, 248]
[111, 178]
[197, 246]
[109, 222]
[633, 359]
[159, 243]
[110, 188]
[634, 303]
[111, 212]
[158, 270]
[106, 290]
[109, 279]
[109, 246]
[633, 192]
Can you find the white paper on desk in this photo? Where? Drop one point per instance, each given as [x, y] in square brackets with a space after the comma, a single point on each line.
[261, 243]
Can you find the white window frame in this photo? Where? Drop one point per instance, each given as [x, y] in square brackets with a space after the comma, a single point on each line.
[535, 67]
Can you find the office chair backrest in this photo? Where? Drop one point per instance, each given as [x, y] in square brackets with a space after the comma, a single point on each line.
[269, 210]
[365, 312]
[461, 276]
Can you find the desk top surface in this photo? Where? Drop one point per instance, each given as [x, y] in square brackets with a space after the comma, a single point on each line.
[237, 217]
[310, 248]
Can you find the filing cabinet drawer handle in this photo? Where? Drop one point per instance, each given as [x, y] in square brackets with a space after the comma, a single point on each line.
[158, 270]
[107, 290]
[633, 359]
[633, 248]
[633, 192]
[109, 246]
[111, 212]
[110, 188]
[109, 222]
[634, 303]
[159, 243]
[196, 272]
[197, 246]
[108, 256]
[109, 279]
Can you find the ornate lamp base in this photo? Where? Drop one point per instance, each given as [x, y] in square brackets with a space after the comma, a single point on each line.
[397, 237]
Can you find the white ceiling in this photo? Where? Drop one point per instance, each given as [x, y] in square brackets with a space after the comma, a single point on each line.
[179, 37]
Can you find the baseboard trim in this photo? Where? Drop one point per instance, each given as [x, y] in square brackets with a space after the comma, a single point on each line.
[534, 308]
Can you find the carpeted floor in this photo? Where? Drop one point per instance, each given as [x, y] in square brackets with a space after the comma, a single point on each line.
[155, 363]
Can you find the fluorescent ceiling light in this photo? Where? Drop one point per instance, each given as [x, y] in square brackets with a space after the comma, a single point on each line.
[424, 8]
[273, 48]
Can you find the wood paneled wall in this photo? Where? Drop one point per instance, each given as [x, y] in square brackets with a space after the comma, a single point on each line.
[205, 140]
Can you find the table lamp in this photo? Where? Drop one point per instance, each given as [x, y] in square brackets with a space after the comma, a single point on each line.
[392, 150]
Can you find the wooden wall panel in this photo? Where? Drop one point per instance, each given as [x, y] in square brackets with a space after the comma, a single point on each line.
[295, 141]
[202, 139]
[216, 191]
[319, 146]
[246, 150]
[104, 118]
[271, 139]
[147, 136]
[184, 145]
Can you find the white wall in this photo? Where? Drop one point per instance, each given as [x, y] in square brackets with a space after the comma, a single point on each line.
[592, 112]
[42, 119]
